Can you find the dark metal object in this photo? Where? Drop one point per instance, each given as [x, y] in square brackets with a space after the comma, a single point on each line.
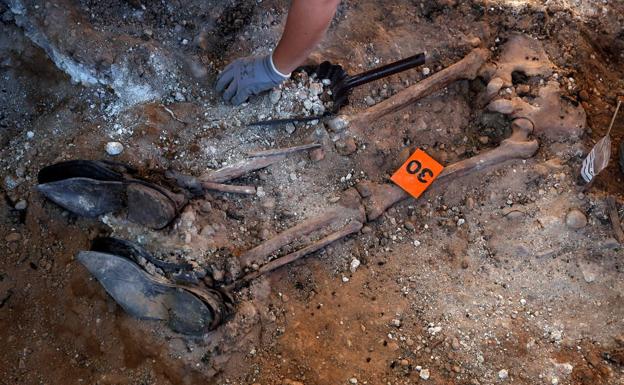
[342, 84]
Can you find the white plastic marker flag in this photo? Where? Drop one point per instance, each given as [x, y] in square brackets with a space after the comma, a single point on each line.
[598, 158]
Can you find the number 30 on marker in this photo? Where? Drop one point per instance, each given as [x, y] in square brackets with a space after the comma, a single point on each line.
[417, 173]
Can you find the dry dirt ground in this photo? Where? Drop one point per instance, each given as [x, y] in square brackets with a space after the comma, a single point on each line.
[480, 281]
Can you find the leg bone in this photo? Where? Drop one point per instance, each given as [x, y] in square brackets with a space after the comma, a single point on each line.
[259, 253]
[467, 68]
[379, 198]
[350, 228]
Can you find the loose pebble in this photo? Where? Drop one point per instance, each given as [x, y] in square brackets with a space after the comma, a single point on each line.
[13, 237]
[424, 374]
[503, 374]
[10, 182]
[21, 205]
[317, 154]
[355, 263]
[576, 219]
[290, 128]
[275, 96]
[114, 148]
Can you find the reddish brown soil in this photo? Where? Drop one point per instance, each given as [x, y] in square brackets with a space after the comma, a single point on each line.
[514, 294]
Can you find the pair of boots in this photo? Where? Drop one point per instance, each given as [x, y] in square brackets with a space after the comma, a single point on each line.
[92, 188]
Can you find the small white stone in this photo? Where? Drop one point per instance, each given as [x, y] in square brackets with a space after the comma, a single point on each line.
[326, 82]
[556, 335]
[355, 263]
[503, 374]
[396, 322]
[424, 374]
[30, 134]
[554, 381]
[114, 148]
[260, 192]
[290, 128]
[275, 96]
[345, 279]
[353, 381]
[316, 89]
[434, 330]
[416, 243]
[426, 71]
[460, 222]
[522, 301]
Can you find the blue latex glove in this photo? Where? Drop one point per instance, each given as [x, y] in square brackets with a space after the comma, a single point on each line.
[248, 76]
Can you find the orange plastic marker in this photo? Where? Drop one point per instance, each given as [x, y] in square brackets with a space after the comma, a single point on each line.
[417, 173]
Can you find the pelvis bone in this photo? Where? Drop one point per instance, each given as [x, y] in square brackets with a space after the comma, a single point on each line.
[553, 116]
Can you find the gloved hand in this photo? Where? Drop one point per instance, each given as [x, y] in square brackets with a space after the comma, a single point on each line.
[248, 76]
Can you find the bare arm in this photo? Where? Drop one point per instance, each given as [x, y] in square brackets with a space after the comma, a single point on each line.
[306, 25]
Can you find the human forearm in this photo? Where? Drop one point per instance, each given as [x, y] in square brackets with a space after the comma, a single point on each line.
[305, 27]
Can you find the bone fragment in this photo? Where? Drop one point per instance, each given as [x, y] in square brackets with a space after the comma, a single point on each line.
[173, 115]
[228, 188]
[552, 116]
[467, 68]
[239, 169]
[502, 106]
[198, 188]
[493, 88]
[524, 55]
[284, 151]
